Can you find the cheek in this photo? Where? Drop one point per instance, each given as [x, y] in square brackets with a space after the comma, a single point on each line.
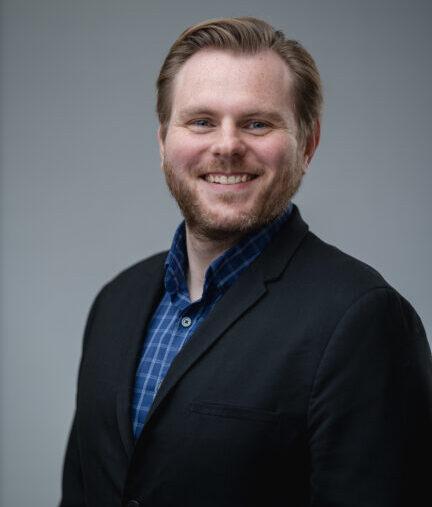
[276, 151]
[183, 151]
[276, 157]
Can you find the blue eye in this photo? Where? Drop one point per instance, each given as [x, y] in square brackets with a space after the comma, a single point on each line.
[257, 125]
[200, 123]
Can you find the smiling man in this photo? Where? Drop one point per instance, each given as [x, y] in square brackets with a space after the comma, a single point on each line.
[231, 152]
[252, 364]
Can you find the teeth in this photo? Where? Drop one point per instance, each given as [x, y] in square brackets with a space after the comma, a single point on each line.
[227, 180]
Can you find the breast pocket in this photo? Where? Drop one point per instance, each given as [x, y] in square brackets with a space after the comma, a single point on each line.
[234, 436]
[234, 412]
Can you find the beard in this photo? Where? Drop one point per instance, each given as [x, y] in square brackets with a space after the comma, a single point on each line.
[271, 201]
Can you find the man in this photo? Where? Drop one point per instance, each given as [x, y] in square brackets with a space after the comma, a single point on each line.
[252, 364]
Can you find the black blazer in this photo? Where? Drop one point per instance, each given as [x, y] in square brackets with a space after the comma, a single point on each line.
[309, 384]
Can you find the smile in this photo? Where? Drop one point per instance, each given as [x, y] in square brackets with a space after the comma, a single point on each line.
[231, 179]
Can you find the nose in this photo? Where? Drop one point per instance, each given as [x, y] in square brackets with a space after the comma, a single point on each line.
[228, 143]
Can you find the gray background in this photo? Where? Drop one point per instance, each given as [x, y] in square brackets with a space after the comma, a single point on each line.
[82, 195]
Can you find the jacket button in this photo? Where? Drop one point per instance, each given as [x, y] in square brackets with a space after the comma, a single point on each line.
[133, 503]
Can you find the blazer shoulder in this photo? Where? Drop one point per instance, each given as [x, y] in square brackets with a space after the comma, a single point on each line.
[316, 266]
[343, 265]
[334, 274]
[133, 276]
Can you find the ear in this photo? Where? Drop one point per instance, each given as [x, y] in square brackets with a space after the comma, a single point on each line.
[311, 145]
[161, 143]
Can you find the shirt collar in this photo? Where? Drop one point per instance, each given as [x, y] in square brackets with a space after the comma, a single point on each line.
[176, 264]
[224, 270]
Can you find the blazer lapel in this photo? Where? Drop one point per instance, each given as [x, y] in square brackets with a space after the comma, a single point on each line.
[142, 301]
[247, 290]
[234, 303]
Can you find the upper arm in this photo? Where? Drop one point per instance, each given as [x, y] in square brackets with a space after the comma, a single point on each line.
[370, 411]
[72, 480]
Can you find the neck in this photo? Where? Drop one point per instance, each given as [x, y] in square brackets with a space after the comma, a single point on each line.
[201, 253]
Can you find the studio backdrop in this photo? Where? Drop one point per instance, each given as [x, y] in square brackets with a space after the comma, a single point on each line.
[82, 194]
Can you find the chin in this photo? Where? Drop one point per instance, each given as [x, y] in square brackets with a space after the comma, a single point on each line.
[224, 225]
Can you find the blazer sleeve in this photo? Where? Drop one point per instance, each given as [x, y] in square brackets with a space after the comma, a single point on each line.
[72, 483]
[370, 411]
[72, 494]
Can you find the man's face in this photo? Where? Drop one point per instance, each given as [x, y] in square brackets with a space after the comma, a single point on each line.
[231, 153]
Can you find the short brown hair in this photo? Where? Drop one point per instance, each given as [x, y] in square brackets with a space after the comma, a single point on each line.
[249, 36]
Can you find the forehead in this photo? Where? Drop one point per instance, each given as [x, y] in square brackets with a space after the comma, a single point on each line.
[229, 78]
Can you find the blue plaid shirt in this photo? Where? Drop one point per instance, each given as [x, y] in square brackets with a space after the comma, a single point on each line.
[176, 318]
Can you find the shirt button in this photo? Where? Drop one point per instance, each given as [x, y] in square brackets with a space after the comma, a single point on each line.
[186, 321]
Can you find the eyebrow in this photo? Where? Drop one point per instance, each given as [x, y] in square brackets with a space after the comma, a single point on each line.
[195, 111]
[270, 115]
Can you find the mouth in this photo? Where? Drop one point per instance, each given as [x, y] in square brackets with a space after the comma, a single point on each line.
[228, 179]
